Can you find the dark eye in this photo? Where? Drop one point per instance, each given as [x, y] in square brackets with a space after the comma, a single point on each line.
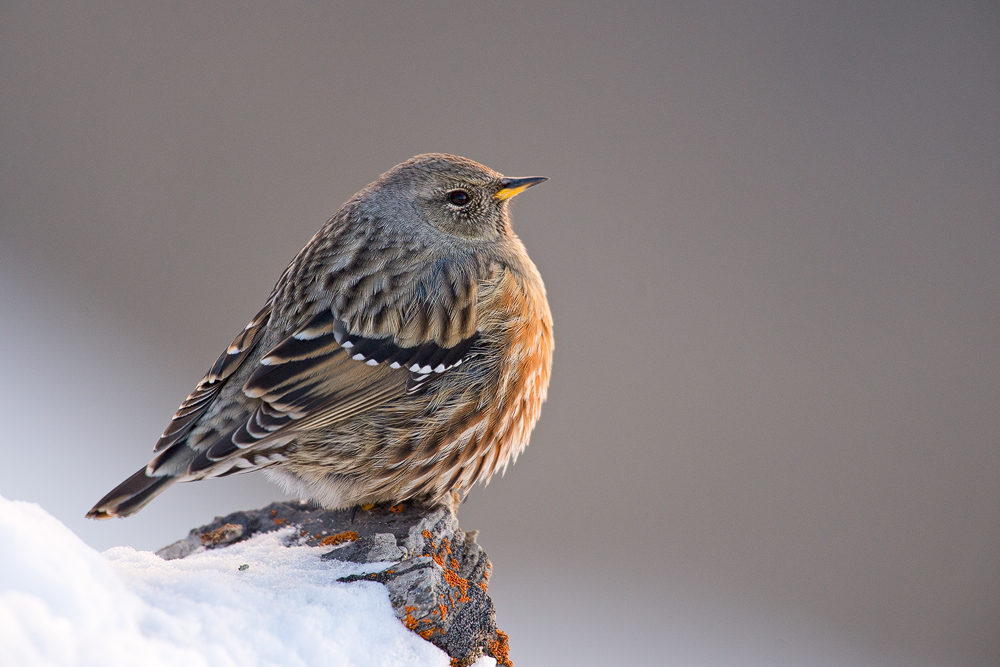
[459, 197]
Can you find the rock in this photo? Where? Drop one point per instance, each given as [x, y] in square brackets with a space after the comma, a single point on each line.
[436, 574]
[370, 549]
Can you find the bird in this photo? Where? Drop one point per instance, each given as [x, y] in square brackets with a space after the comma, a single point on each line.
[405, 353]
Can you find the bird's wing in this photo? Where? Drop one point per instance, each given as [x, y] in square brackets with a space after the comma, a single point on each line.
[326, 373]
[195, 405]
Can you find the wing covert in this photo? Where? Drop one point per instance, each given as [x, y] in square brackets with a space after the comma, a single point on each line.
[323, 374]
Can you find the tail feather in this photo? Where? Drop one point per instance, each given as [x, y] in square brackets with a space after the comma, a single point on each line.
[130, 496]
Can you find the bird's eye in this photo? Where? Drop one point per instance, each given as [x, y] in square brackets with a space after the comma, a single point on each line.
[459, 197]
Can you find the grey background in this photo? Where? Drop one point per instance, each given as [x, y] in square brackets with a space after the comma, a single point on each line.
[770, 241]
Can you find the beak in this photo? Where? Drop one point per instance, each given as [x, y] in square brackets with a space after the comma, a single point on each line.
[511, 187]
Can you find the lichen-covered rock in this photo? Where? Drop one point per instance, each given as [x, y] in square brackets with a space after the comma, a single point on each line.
[437, 580]
[369, 549]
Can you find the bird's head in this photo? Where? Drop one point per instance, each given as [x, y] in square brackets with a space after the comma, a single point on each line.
[453, 194]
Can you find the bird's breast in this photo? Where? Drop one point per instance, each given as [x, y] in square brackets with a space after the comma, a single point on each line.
[515, 316]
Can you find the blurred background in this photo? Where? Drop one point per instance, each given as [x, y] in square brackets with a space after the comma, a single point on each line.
[770, 241]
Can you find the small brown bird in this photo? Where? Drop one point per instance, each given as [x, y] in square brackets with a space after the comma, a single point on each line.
[404, 353]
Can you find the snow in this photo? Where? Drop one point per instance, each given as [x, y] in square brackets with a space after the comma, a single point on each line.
[63, 603]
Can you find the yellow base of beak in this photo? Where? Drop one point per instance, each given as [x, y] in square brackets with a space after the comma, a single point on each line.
[515, 186]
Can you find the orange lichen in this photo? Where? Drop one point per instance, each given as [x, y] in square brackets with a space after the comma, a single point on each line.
[408, 620]
[455, 596]
[500, 649]
[339, 538]
[303, 533]
[396, 509]
[274, 512]
[450, 567]
[462, 584]
[223, 534]
[280, 521]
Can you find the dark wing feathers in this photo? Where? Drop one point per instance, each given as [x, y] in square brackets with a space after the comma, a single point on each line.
[320, 375]
[420, 359]
[274, 379]
[206, 390]
[346, 359]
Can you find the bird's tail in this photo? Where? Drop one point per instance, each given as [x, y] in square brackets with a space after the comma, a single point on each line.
[130, 496]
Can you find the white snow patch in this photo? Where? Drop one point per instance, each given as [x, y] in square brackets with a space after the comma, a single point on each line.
[62, 603]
